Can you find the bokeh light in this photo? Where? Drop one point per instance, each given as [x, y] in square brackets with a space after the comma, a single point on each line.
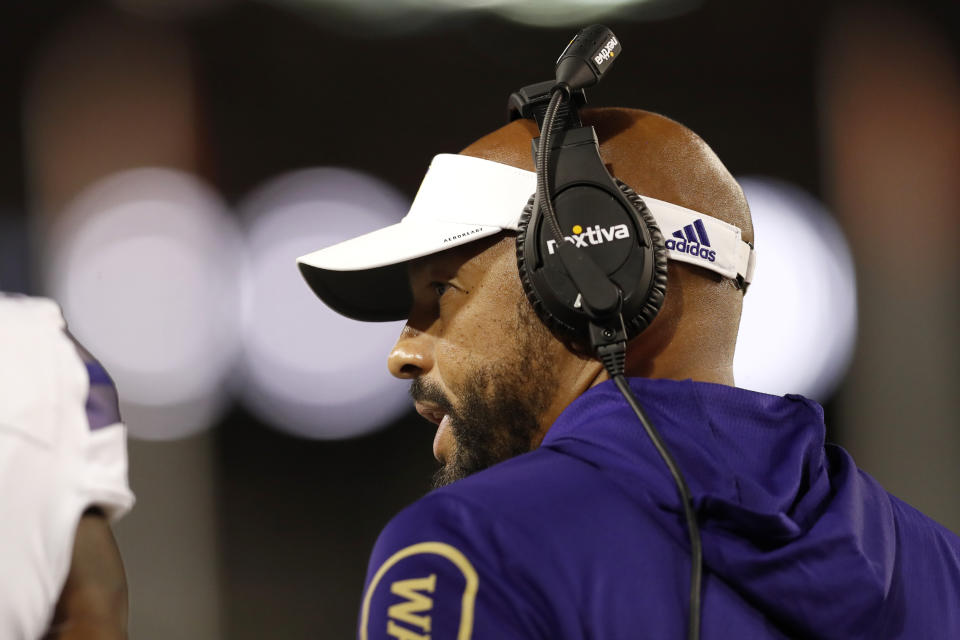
[398, 15]
[146, 265]
[800, 314]
[307, 370]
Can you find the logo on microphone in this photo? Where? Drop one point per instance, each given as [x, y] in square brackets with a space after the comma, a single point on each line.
[606, 52]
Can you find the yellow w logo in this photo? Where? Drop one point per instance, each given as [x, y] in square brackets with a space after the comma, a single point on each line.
[415, 603]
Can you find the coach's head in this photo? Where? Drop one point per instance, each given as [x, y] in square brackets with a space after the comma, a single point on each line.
[483, 366]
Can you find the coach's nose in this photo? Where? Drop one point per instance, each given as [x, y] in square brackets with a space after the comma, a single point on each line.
[412, 355]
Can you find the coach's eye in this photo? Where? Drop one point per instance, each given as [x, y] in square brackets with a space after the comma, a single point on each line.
[440, 288]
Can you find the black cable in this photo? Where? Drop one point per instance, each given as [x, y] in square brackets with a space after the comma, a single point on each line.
[613, 358]
[543, 153]
[696, 549]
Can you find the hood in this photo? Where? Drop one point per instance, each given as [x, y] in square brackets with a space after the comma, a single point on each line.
[785, 521]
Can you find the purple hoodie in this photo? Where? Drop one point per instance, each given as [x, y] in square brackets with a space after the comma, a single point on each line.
[585, 537]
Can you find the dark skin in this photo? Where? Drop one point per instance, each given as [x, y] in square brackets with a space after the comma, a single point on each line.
[93, 603]
[469, 323]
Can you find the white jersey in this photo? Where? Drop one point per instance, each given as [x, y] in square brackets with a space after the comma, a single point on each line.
[62, 450]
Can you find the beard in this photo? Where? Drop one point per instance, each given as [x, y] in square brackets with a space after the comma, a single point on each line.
[498, 413]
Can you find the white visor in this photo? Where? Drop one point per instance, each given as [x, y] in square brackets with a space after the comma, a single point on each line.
[462, 199]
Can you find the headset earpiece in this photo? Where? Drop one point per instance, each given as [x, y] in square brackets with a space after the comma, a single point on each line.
[641, 277]
[533, 297]
[644, 311]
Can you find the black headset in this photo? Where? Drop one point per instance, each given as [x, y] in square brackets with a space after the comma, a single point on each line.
[603, 218]
[592, 260]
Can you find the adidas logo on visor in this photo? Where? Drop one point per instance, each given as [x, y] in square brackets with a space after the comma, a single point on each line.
[692, 239]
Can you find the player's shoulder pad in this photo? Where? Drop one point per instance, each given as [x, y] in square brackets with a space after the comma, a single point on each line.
[426, 570]
[38, 374]
[20, 313]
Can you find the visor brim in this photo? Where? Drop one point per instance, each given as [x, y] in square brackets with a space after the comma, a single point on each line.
[365, 278]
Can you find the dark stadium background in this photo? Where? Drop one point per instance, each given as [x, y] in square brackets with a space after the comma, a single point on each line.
[244, 532]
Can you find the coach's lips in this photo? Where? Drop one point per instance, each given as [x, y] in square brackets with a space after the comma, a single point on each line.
[439, 417]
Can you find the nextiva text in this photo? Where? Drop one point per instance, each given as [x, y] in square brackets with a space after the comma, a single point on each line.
[606, 52]
[592, 235]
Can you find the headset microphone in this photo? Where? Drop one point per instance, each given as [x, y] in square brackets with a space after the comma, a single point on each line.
[605, 292]
[588, 56]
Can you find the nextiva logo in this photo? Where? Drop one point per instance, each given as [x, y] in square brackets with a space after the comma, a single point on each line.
[693, 240]
[607, 52]
[593, 235]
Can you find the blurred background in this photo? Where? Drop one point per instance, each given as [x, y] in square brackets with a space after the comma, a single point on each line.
[163, 162]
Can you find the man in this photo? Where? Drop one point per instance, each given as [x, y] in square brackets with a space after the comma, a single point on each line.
[554, 516]
[63, 469]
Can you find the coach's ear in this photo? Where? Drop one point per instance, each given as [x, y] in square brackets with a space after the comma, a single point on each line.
[93, 604]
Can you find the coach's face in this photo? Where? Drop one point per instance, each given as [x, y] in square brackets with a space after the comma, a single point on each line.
[484, 368]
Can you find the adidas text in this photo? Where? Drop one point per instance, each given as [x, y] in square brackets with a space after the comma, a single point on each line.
[693, 248]
[685, 241]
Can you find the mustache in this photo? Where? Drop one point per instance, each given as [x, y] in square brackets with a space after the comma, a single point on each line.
[422, 390]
